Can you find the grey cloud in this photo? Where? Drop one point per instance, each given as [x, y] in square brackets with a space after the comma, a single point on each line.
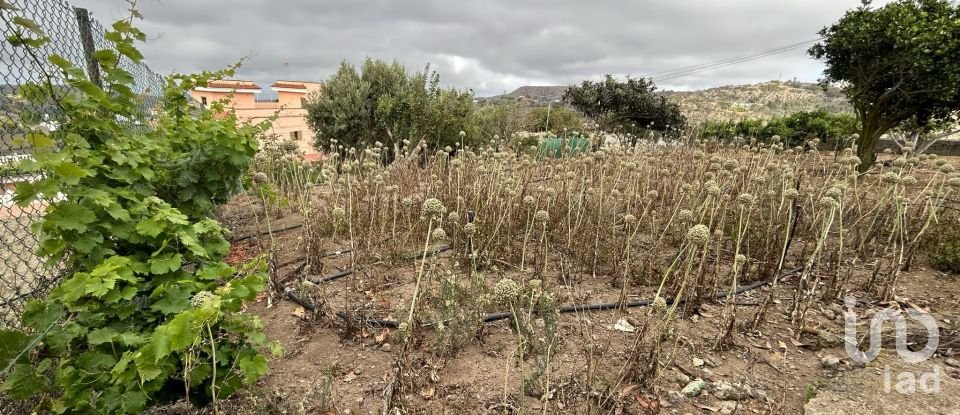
[489, 46]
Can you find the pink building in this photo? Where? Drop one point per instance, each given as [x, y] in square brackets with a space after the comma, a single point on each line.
[243, 98]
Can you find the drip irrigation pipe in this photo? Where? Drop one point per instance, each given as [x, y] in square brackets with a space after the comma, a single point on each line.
[489, 318]
[256, 234]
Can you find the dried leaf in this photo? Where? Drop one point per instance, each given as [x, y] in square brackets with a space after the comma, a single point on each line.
[706, 407]
[299, 312]
[781, 344]
[428, 393]
[629, 388]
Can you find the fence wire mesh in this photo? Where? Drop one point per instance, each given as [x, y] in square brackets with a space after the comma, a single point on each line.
[22, 274]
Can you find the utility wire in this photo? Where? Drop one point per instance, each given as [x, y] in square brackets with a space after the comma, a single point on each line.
[693, 69]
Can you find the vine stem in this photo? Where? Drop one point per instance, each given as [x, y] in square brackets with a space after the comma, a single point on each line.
[213, 382]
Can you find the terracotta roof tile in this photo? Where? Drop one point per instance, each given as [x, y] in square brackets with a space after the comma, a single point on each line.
[287, 84]
[232, 84]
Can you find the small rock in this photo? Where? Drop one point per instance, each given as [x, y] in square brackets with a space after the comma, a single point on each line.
[727, 407]
[952, 362]
[827, 340]
[829, 361]
[694, 388]
[698, 362]
[386, 347]
[357, 370]
[728, 391]
[682, 378]
[759, 394]
[829, 314]
[674, 396]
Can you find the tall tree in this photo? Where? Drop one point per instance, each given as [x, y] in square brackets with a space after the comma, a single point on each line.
[629, 106]
[895, 63]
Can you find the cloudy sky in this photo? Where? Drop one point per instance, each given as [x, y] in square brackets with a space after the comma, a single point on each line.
[490, 46]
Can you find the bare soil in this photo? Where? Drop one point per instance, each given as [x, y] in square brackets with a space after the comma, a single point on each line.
[329, 369]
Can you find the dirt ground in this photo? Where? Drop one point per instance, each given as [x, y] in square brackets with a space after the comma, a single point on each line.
[774, 370]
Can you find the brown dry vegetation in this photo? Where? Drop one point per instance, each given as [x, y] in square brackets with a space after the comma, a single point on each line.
[403, 333]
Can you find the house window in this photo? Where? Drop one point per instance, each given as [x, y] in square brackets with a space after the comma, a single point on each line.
[295, 135]
[203, 101]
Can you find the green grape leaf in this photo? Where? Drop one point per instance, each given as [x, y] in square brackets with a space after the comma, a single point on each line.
[70, 216]
[165, 263]
[101, 336]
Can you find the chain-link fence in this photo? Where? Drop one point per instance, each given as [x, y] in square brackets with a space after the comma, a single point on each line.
[73, 35]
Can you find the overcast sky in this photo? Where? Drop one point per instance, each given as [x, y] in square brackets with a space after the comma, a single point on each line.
[490, 46]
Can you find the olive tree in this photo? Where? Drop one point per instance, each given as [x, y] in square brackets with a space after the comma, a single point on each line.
[629, 106]
[383, 103]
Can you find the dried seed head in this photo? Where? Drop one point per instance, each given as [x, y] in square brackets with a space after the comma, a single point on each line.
[746, 199]
[529, 200]
[470, 229]
[541, 216]
[433, 208]
[834, 193]
[260, 177]
[685, 216]
[506, 291]
[909, 180]
[828, 203]
[890, 177]
[791, 193]
[659, 304]
[699, 234]
[454, 217]
[713, 190]
[739, 260]
[629, 219]
[900, 162]
[201, 299]
[946, 168]
[438, 234]
[339, 213]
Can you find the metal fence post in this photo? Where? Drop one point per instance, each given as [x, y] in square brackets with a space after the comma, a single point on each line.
[86, 39]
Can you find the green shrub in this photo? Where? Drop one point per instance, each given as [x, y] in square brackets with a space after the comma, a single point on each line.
[148, 312]
[946, 256]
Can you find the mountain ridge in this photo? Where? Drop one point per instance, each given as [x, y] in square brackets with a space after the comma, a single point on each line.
[728, 102]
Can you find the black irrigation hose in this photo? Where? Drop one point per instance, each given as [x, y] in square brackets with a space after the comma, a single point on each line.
[256, 234]
[374, 322]
[435, 251]
[332, 277]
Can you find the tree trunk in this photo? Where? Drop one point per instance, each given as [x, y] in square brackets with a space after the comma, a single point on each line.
[867, 144]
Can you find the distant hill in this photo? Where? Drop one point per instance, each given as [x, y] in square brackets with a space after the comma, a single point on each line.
[534, 94]
[764, 100]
